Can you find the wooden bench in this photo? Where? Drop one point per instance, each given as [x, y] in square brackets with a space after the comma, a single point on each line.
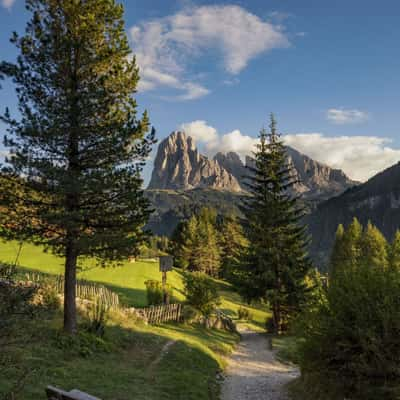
[54, 393]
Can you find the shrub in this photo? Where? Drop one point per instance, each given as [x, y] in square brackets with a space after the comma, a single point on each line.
[15, 298]
[155, 292]
[201, 293]
[97, 314]
[351, 344]
[190, 314]
[47, 297]
[7, 271]
[244, 314]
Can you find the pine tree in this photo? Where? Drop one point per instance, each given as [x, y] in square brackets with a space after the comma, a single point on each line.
[394, 253]
[79, 146]
[195, 243]
[232, 243]
[352, 244]
[276, 262]
[338, 256]
[205, 252]
[374, 248]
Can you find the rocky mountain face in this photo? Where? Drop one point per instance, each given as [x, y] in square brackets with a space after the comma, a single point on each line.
[234, 165]
[184, 180]
[317, 181]
[377, 200]
[180, 166]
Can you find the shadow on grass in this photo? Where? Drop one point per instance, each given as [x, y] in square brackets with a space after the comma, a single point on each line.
[128, 363]
[130, 297]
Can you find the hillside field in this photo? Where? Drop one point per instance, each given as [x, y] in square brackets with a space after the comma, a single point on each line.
[125, 364]
[127, 280]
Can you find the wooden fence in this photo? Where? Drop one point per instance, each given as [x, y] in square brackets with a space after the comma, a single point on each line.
[90, 290]
[162, 313]
[84, 289]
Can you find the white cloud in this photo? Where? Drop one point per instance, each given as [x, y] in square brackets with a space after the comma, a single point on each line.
[7, 3]
[212, 142]
[342, 116]
[200, 131]
[234, 141]
[166, 48]
[360, 157]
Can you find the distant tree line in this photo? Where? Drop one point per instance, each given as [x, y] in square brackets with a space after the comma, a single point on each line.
[208, 243]
[350, 346]
[357, 246]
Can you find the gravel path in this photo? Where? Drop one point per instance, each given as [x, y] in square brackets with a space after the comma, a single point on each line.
[253, 372]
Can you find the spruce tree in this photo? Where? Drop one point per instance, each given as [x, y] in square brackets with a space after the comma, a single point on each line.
[79, 146]
[394, 252]
[195, 243]
[207, 257]
[374, 248]
[338, 255]
[352, 244]
[232, 243]
[276, 261]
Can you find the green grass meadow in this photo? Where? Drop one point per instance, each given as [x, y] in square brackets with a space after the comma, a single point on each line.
[129, 362]
[127, 280]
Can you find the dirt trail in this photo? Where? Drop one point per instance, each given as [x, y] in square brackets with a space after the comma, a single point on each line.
[253, 372]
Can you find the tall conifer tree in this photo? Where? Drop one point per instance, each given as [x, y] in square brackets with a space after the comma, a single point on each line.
[338, 255]
[394, 252]
[232, 243]
[79, 146]
[352, 244]
[195, 243]
[276, 262]
[374, 248]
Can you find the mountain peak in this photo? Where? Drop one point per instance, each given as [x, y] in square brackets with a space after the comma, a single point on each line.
[179, 166]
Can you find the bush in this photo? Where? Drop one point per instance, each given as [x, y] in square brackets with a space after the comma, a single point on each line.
[201, 293]
[15, 299]
[48, 298]
[244, 314]
[97, 315]
[351, 344]
[155, 292]
[190, 314]
[7, 272]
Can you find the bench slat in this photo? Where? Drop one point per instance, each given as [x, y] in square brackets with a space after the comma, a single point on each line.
[54, 393]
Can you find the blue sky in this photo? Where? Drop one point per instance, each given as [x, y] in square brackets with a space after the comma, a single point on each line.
[329, 70]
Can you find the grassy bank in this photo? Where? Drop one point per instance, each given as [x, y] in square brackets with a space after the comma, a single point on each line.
[127, 280]
[286, 348]
[128, 363]
[131, 361]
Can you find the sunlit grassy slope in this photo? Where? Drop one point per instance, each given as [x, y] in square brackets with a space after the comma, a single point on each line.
[127, 280]
[130, 367]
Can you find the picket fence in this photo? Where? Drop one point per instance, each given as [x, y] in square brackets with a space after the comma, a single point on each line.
[162, 313]
[84, 289]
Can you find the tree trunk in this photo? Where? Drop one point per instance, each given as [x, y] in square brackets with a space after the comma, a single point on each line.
[277, 317]
[71, 256]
